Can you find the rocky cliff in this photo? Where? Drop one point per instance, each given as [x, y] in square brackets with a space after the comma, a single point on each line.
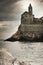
[20, 36]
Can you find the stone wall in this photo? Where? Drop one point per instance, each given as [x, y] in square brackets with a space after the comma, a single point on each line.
[35, 28]
[27, 19]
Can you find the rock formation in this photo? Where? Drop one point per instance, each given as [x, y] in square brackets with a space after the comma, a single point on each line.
[30, 29]
[5, 57]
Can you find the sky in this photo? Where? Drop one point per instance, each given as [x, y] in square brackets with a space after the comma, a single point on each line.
[11, 10]
[10, 14]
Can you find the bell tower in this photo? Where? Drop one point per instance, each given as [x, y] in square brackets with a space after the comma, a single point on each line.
[30, 9]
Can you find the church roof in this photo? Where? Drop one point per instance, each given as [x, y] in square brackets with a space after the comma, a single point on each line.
[25, 13]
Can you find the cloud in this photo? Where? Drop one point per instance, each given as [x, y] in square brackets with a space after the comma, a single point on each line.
[6, 2]
[4, 24]
[41, 0]
[38, 1]
[11, 10]
[8, 10]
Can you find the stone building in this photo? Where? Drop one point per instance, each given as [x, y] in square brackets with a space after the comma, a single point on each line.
[27, 17]
[30, 24]
[26, 20]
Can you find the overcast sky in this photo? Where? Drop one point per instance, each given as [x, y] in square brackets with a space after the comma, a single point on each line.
[12, 9]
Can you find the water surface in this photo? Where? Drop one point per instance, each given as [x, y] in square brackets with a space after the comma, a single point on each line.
[25, 51]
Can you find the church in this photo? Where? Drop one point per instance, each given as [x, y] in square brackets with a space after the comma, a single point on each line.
[27, 17]
[30, 24]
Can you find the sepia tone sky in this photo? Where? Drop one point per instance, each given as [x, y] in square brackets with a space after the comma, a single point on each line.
[10, 14]
[10, 10]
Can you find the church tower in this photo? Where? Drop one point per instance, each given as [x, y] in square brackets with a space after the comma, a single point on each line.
[30, 9]
[27, 20]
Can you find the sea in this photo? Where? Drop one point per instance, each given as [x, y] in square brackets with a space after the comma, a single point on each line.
[25, 51]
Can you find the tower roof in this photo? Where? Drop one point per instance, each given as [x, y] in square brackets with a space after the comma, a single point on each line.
[30, 5]
[30, 9]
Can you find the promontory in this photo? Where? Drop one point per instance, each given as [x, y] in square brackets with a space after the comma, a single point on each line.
[30, 29]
